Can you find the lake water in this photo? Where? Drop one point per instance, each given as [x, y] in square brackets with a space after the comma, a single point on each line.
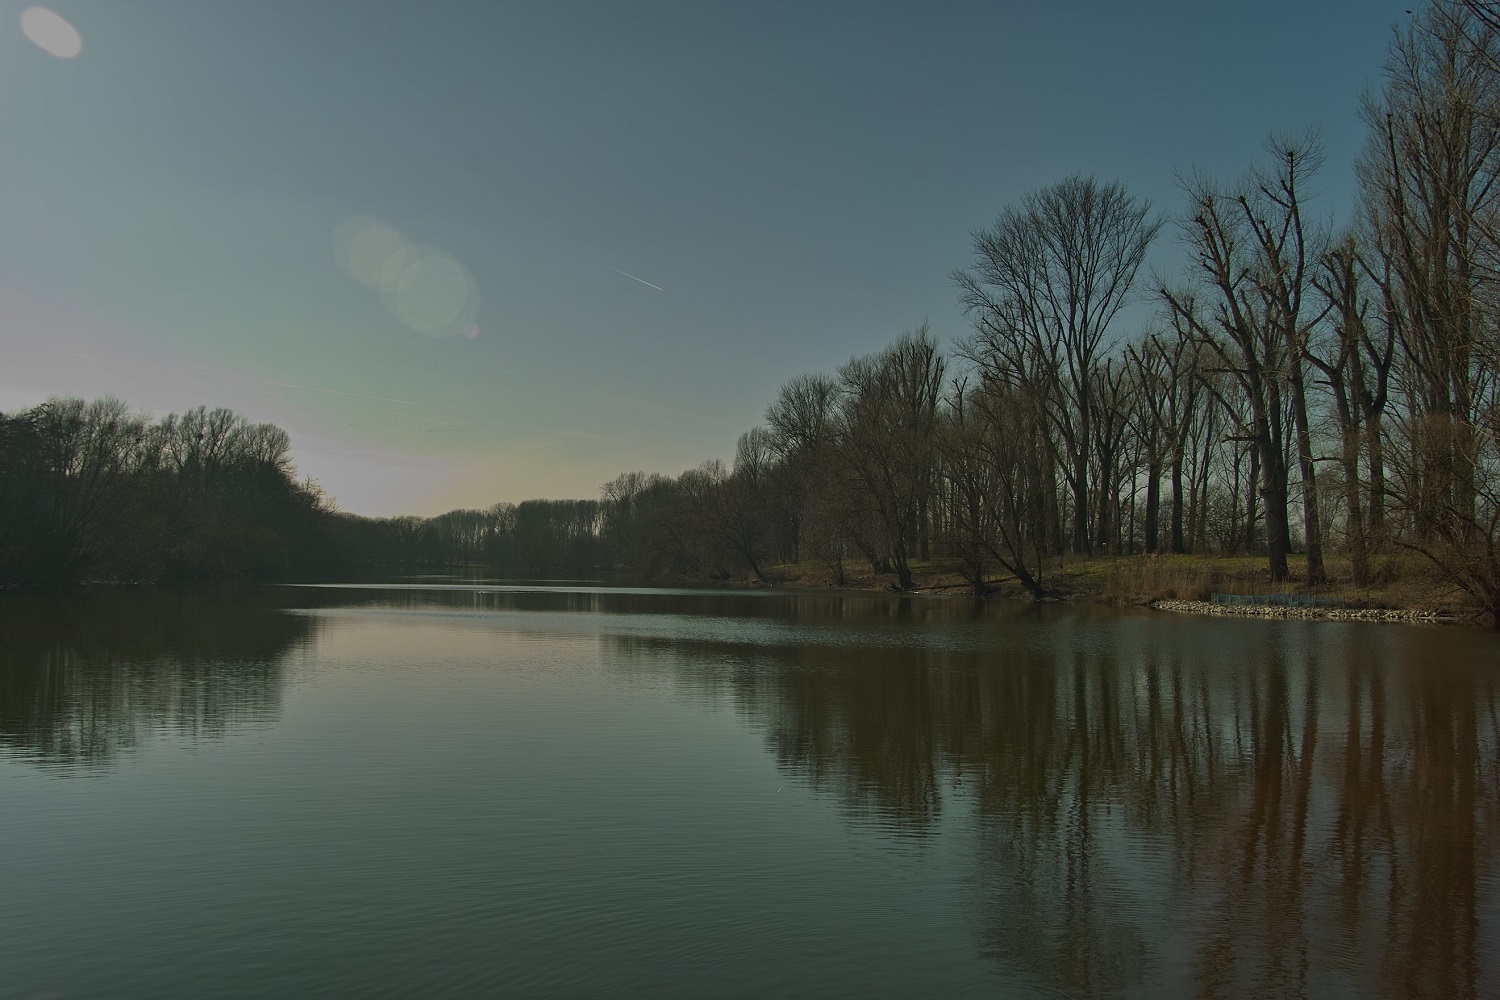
[578, 792]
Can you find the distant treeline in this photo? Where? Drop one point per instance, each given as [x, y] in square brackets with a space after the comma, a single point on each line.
[92, 491]
[1298, 387]
[533, 538]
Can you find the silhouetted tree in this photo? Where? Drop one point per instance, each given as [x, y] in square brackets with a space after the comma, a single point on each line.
[1048, 279]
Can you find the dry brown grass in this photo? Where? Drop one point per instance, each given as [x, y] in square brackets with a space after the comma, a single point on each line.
[1148, 578]
[1401, 581]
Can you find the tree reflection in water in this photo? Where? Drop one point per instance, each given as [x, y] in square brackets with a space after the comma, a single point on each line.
[85, 676]
[1146, 805]
[1201, 808]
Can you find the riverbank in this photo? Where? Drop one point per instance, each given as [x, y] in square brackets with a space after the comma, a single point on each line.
[1403, 588]
[1302, 612]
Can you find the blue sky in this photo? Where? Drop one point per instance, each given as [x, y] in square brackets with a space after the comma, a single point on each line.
[792, 184]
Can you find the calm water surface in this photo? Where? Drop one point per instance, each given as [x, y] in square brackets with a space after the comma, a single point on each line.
[480, 790]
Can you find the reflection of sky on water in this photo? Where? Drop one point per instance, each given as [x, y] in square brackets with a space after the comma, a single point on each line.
[723, 631]
[959, 795]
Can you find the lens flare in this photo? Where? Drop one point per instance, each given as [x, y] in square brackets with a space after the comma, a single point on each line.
[432, 293]
[50, 33]
[362, 245]
[428, 290]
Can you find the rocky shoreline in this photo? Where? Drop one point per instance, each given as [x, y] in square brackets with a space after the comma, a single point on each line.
[1305, 613]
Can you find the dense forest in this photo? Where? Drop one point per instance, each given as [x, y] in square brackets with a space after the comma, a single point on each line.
[1298, 388]
[92, 491]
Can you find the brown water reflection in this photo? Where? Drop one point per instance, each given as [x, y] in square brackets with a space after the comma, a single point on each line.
[84, 676]
[1127, 804]
[1199, 807]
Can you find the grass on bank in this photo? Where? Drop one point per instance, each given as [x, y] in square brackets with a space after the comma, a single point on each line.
[1400, 581]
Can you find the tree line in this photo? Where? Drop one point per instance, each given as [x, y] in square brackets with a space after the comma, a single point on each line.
[1298, 387]
[89, 490]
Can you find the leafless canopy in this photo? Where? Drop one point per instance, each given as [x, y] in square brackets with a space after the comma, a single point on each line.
[1049, 278]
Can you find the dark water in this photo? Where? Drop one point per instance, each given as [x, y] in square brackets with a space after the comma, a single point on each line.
[413, 792]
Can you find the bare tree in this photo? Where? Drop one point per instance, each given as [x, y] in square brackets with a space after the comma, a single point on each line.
[1356, 364]
[1244, 333]
[88, 453]
[802, 422]
[1049, 278]
[1286, 253]
[999, 482]
[1168, 390]
[1485, 14]
[1110, 399]
[1429, 177]
[887, 439]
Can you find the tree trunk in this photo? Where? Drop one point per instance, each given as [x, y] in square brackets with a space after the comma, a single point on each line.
[1198, 524]
[1311, 517]
[1034, 588]
[1359, 552]
[1055, 521]
[1375, 447]
[1252, 495]
[1109, 501]
[903, 571]
[1023, 576]
[1153, 504]
[1177, 547]
[924, 523]
[1080, 505]
[1273, 505]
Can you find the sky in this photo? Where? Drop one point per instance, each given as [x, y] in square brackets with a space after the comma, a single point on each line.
[484, 251]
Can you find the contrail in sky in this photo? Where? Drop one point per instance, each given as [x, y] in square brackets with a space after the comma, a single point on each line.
[430, 420]
[634, 278]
